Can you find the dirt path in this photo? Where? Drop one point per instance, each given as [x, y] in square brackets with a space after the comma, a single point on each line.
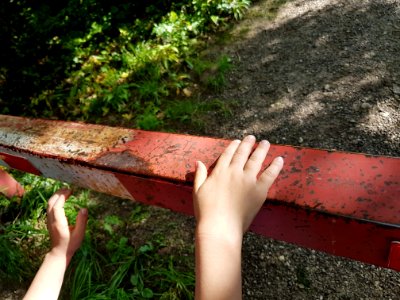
[324, 74]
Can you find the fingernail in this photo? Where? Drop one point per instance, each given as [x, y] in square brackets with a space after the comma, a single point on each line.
[84, 211]
[264, 142]
[279, 160]
[250, 137]
[64, 190]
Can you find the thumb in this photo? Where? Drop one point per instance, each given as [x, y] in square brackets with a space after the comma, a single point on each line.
[78, 233]
[200, 176]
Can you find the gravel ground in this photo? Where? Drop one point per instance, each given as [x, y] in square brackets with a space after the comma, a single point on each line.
[322, 74]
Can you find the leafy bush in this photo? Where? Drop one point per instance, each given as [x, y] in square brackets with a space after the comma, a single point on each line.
[92, 59]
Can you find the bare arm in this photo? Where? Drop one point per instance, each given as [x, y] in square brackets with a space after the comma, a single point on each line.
[65, 241]
[226, 203]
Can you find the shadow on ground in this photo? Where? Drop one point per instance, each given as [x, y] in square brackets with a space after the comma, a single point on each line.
[323, 74]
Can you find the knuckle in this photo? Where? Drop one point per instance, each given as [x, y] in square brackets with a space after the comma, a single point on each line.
[270, 173]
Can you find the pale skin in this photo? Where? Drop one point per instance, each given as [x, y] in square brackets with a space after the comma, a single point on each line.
[65, 240]
[9, 186]
[225, 204]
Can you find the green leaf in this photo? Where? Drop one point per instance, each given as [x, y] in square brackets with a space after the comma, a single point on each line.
[215, 19]
[134, 279]
[145, 248]
[147, 293]
[173, 16]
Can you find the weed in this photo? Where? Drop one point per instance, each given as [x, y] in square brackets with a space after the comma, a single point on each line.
[212, 74]
[149, 119]
[14, 263]
[139, 214]
[110, 222]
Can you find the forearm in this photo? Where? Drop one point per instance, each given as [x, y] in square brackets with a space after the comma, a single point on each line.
[218, 267]
[48, 280]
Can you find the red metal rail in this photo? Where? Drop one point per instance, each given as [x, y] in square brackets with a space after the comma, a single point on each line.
[342, 203]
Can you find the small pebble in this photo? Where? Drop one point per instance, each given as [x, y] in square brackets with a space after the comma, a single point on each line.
[365, 105]
[396, 89]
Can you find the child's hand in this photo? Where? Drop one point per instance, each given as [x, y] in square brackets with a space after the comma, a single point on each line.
[227, 201]
[9, 186]
[65, 240]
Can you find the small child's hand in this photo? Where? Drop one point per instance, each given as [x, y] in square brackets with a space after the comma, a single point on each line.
[227, 201]
[65, 240]
[9, 186]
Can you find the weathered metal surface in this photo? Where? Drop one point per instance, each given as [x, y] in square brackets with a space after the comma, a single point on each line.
[18, 162]
[341, 203]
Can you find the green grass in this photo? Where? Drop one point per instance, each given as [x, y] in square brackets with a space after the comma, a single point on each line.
[23, 229]
[111, 263]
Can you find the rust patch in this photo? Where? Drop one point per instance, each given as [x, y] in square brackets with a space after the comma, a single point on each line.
[295, 170]
[361, 199]
[312, 170]
[124, 160]
[68, 139]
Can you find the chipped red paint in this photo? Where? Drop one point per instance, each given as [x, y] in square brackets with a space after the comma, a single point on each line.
[19, 163]
[341, 203]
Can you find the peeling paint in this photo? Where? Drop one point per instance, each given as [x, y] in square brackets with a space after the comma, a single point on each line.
[316, 187]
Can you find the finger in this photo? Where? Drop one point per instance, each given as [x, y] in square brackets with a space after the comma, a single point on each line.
[243, 151]
[225, 159]
[9, 186]
[53, 199]
[254, 164]
[269, 175]
[78, 232]
[200, 176]
[19, 190]
[58, 207]
[50, 204]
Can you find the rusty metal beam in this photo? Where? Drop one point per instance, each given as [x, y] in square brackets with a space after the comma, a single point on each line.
[345, 204]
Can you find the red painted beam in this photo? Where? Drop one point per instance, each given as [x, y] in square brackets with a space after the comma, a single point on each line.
[346, 204]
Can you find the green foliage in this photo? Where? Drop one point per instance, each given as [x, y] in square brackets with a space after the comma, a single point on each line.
[126, 272]
[192, 112]
[220, 10]
[14, 263]
[212, 74]
[23, 227]
[107, 266]
[110, 222]
[91, 59]
[149, 120]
